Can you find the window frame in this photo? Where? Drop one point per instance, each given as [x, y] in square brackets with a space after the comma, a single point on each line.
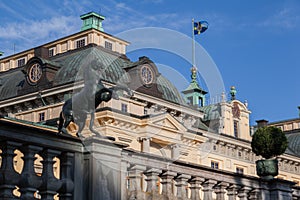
[239, 170]
[236, 128]
[41, 116]
[51, 50]
[214, 164]
[21, 61]
[108, 45]
[80, 42]
[124, 107]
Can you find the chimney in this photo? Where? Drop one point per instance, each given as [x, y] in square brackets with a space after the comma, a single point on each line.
[299, 111]
[262, 123]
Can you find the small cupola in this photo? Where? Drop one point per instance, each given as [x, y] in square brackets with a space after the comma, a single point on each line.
[92, 20]
[194, 94]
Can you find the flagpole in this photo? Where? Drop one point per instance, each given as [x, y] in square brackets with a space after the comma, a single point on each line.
[193, 44]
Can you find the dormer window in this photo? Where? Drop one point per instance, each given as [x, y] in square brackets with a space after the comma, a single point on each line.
[80, 43]
[21, 62]
[108, 45]
[51, 52]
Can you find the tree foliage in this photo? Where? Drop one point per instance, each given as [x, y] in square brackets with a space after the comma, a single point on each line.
[269, 142]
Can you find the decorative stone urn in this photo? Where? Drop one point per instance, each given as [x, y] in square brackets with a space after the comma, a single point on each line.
[268, 142]
[267, 169]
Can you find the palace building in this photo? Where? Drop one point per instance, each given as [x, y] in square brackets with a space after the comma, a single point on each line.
[168, 143]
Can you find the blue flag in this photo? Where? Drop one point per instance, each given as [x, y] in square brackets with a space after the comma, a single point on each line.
[200, 27]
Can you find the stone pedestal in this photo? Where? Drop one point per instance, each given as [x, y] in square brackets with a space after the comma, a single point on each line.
[102, 170]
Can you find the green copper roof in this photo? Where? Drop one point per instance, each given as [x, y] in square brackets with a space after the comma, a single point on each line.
[194, 86]
[74, 65]
[92, 20]
[211, 112]
[10, 83]
[169, 91]
[71, 66]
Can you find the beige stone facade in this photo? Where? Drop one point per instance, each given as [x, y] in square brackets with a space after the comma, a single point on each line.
[150, 124]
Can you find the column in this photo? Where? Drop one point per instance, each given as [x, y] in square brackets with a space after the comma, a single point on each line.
[254, 194]
[243, 193]
[152, 178]
[135, 179]
[232, 191]
[181, 184]
[66, 169]
[8, 176]
[281, 189]
[50, 184]
[195, 187]
[102, 169]
[30, 181]
[208, 189]
[220, 190]
[167, 183]
[175, 153]
[145, 144]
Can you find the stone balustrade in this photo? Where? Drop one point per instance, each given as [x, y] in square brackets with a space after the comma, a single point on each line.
[24, 181]
[170, 179]
[96, 168]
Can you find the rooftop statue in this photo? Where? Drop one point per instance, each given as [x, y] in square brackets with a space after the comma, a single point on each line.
[87, 100]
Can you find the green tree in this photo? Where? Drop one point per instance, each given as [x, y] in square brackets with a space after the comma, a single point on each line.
[269, 142]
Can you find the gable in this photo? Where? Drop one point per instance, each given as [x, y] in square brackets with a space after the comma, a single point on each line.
[166, 121]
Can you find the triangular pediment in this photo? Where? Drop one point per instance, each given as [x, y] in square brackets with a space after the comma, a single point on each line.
[167, 121]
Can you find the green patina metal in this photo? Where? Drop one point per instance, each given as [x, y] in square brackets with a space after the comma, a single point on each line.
[194, 94]
[169, 91]
[92, 20]
[75, 63]
[71, 66]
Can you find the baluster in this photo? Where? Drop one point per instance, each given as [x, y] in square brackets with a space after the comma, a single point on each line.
[182, 186]
[29, 181]
[195, 187]
[220, 190]
[232, 191]
[152, 178]
[243, 193]
[135, 179]
[50, 184]
[254, 194]
[66, 171]
[208, 189]
[296, 194]
[9, 178]
[167, 183]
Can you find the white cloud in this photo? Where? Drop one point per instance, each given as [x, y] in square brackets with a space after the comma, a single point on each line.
[285, 18]
[25, 35]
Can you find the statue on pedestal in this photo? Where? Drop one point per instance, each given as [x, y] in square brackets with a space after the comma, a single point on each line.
[87, 100]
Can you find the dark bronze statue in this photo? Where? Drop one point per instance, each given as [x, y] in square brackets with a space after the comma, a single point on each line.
[87, 100]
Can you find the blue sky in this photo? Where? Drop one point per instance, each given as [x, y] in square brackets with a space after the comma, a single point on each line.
[254, 44]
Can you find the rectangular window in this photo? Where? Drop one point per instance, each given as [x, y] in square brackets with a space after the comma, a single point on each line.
[51, 52]
[240, 170]
[236, 128]
[80, 43]
[21, 62]
[124, 107]
[214, 165]
[190, 100]
[108, 45]
[41, 116]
